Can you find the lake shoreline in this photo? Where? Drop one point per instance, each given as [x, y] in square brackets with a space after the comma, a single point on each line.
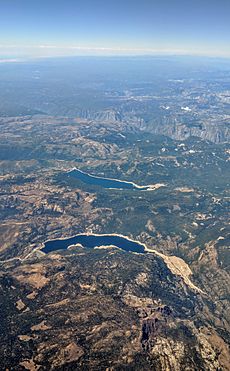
[142, 246]
[175, 264]
[149, 187]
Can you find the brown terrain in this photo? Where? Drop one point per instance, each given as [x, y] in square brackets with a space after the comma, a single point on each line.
[106, 309]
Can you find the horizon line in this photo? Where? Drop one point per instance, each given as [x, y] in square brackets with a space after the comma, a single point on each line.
[32, 51]
[25, 59]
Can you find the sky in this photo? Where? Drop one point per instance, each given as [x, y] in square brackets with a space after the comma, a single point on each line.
[40, 28]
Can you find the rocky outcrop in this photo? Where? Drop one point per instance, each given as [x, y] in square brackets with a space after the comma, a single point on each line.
[216, 132]
[108, 115]
[152, 320]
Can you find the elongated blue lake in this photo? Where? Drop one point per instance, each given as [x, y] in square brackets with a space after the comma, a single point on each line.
[92, 241]
[105, 182]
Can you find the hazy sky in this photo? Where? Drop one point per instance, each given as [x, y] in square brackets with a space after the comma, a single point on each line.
[68, 27]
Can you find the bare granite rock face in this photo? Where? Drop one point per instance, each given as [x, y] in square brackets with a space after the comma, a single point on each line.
[212, 130]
